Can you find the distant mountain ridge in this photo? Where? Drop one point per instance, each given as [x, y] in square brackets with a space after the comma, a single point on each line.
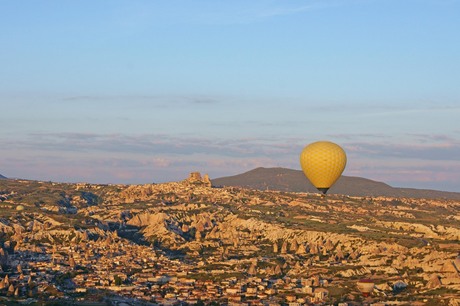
[2, 177]
[289, 180]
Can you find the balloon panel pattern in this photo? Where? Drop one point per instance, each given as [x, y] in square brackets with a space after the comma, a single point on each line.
[323, 162]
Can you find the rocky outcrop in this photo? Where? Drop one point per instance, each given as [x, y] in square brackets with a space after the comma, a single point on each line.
[5, 226]
[301, 250]
[449, 267]
[434, 282]
[420, 230]
[195, 178]
[158, 225]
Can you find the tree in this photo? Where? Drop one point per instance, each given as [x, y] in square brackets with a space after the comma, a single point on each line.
[118, 280]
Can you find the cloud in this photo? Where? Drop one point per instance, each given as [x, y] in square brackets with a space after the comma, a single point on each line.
[418, 151]
[117, 157]
[120, 158]
[124, 168]
[429, 138]
[136, 16]
[354, 136]
[145, 100]
[433, 174]
[151, 144]
[419, 147]
[382, 107]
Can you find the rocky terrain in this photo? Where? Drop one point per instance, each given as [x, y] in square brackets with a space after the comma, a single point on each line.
[188, 242]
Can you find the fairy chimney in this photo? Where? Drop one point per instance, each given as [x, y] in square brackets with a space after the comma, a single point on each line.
[275, 247]
[198, 236]
[253, 268]
[301, 250]
[294, 246]
[278, 270]
[434, 282]
[11, 290]
[284, 247]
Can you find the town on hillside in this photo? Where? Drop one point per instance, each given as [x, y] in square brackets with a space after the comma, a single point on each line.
[190, 243]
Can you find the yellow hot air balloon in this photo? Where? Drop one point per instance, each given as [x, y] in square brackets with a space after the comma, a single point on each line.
[323, 162]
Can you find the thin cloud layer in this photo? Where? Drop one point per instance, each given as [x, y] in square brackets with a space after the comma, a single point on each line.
[448, 151]
[152, 144]
[218, 13]
[119, 158]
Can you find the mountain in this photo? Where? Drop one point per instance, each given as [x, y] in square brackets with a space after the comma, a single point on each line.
[2, 177]
[290, 180]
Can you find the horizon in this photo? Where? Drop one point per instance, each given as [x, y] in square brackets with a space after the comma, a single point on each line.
[141, 92]
[212, 178]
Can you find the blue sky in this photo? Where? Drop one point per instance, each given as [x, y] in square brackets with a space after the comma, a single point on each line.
[141, 91]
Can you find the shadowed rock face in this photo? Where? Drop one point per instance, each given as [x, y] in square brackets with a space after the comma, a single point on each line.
[289, 180]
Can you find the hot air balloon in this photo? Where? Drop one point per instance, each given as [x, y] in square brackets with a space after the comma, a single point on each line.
[322, 163]
[366, 286]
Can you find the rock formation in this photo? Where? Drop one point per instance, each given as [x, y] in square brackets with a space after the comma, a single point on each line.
[301, 249]
[434, 282]
[284, 247]
[195, 178]
[294, 246]
[275, 247]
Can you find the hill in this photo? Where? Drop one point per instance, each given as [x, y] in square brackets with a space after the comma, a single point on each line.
[290, 180]
[2, 177]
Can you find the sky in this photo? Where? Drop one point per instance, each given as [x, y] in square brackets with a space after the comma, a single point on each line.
[137, 91]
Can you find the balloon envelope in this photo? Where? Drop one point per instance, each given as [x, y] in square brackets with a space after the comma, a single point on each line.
[322, 163]
[366, 286]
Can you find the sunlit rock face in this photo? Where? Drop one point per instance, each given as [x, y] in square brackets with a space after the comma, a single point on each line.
[196, 178]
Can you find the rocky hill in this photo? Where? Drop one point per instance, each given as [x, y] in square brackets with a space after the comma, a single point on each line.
[289, 180]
